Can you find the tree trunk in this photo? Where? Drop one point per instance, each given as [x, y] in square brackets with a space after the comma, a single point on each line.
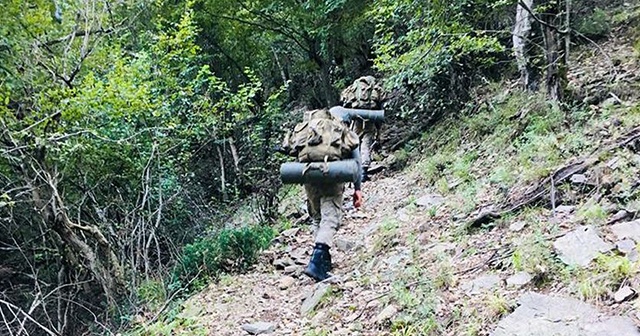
[522, 43]
[555, 61]
[97, 256]
[223, 182]
[567, 37]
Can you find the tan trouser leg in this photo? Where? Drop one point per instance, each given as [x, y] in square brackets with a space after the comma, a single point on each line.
[328, 198]
[365, 149]
[313, 207]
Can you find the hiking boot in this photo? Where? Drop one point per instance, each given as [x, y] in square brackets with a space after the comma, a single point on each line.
[320, 262]
[326, 259]
[365, 175]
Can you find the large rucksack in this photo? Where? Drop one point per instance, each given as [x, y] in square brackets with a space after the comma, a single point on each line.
[364, 93]
[321, 137]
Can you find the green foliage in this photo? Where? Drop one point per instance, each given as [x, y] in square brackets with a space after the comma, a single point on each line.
[230, 250]
[499, 305]
[416, 294]
[431, 50]
[603, 278]
[595, 25]
[181, 320]
[152, 293]
[592, 213]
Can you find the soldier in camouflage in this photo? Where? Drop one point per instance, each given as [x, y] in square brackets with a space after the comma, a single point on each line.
[364, 93]
[324, 205]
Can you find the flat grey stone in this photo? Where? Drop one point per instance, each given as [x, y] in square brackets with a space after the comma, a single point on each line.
[293, 269]
[290, 233]
[550, 316]
[626, 246]
[258, 328]
[387, 313]
[517, 226]
[581, 246]
[371, 229]
[618, 216]
[613, 163]
[565, 209]
[578, 178]
[344, 245]
[403, 216]
[394, 260]
[286, 282]
[519, 279]
[439, 248]
[627, 230]
[623, 294]
[609, 102]
[481, 284]
[314, 298]
[430, 200]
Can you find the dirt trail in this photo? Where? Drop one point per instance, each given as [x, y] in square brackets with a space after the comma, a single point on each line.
[257, 296]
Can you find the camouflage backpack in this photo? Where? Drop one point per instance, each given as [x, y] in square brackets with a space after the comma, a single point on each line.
[321, 137]
[364, 93]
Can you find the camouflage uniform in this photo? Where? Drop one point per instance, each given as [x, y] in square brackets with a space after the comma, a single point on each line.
[324, 200]
[366, 131]
[324, 204]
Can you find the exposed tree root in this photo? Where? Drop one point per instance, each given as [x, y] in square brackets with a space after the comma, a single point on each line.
[541, 190]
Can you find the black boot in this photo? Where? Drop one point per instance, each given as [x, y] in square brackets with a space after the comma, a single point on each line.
[327, 260]
[320, 262]
[365, 175]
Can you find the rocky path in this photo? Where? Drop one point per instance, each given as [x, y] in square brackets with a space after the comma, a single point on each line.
[403, 254]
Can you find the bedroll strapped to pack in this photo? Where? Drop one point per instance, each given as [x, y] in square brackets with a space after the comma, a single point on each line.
[320, 138]
[364, 93]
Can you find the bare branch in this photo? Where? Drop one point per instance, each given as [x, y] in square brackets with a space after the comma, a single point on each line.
[74, 34]
[28, 317]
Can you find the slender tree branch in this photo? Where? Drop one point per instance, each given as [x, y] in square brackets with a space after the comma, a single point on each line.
[542, 22]
[28, 317]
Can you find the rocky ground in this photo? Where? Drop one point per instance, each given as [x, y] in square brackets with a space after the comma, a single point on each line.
[414, 262]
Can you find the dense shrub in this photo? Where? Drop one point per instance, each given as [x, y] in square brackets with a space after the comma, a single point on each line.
[231, 250]
[594, 25]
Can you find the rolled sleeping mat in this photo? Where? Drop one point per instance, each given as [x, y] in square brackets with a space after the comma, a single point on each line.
[319, 172]
[348, 114]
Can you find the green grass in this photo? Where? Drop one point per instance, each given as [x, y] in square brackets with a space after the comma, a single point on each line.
[387, 233]
[414, 292]
[602, 278]
[317, 332]
[499, 305]
[534, 254]
[152, 294]
[592, 213]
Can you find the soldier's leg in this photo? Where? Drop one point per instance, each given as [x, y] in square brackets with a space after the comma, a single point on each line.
[331, 214]
[365, 149]
[331, 217]
[313, 206]
[365, 153]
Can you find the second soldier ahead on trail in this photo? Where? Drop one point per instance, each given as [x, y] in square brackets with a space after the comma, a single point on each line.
[365, 93]
[319, 139]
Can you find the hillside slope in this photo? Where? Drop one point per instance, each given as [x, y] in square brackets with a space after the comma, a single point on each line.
[413, 262]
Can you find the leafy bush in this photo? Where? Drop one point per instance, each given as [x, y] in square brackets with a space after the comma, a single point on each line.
[431, 53]
[595, 25]
[231, 250]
